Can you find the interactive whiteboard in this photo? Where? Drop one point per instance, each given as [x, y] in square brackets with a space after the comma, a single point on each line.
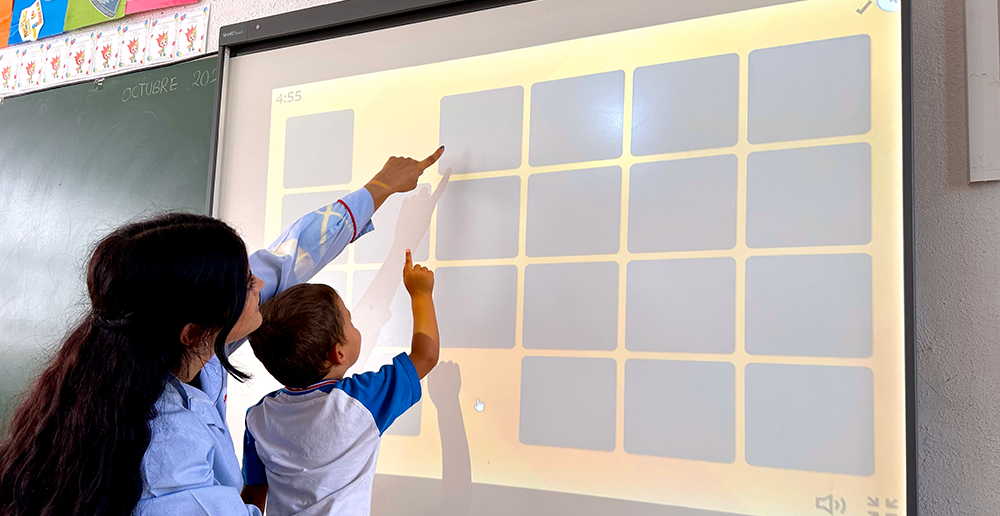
[670, 252]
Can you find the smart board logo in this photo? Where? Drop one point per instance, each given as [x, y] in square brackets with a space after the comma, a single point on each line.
[232, 33]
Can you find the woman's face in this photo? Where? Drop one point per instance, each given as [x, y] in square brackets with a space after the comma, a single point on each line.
[250, 319]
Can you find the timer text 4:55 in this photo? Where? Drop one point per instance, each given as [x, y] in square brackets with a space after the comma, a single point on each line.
[292, 96]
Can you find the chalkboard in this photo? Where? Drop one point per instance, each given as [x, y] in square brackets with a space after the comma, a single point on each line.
[75, 162]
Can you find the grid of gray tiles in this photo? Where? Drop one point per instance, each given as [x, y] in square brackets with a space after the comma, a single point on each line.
[482, 130]
[568, 402]
[687, 105]
[577, 119]
[682, 205]
[681, 409]
[476, 306]
[810, 90]
[319, 149]
[814, 418]
[681, 306]
[479, 219]
[574, 212]
[813, 305]
[571, 306]
[811, 418]
[810, 197]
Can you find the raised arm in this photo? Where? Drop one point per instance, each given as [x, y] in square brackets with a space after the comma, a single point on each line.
[313, 241]
[425, 348]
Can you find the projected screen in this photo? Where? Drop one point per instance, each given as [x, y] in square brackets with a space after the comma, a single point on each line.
[669, 253]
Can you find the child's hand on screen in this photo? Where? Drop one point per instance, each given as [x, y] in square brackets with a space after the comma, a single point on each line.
[418, 280]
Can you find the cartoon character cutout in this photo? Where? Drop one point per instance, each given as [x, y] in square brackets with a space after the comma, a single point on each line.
[30, 70]
[54, 63]
[133, 50]
[106, 54]
[5, 73]
[161, 41]
[80, 58]
[191, 34]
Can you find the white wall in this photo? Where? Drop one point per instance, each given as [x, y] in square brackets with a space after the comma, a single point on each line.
[957, 267]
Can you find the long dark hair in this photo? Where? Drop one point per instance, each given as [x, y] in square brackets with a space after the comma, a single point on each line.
[75, 444]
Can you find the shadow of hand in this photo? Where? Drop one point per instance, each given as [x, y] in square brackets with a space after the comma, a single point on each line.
[415, 215]
[444, 382]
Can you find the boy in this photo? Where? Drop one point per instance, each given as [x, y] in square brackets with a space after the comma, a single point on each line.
[312, 446]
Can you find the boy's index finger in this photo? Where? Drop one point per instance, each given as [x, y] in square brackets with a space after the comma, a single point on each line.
[432, 159]
[409, 260]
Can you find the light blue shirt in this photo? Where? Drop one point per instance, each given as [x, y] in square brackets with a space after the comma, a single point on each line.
[190, 467]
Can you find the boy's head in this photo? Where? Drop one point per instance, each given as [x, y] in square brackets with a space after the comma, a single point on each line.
[306, 334]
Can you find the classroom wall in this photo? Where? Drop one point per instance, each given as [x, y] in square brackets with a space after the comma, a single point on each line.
[957, 267]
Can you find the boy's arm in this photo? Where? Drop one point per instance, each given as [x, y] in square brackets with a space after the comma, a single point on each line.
[425, 347]
[255, 495]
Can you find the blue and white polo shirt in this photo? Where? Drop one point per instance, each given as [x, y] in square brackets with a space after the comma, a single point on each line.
[316, 448]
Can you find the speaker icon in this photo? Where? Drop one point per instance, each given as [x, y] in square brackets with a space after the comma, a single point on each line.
[831, 505]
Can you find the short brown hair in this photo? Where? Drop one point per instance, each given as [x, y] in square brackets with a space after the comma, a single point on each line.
[300, 326]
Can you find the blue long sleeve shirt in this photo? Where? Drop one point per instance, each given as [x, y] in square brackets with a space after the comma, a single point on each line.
[190, 466]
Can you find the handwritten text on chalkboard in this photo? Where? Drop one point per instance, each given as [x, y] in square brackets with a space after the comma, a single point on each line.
[149, 89]
[205, 77]
[167, 85]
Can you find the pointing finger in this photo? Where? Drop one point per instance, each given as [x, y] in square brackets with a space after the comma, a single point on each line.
[409, 260]
[432, 159]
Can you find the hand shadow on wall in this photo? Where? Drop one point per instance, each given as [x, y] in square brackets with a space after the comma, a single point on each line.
[371, 313]
[454, 493]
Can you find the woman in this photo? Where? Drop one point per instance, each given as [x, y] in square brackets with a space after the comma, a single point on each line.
[129, 416]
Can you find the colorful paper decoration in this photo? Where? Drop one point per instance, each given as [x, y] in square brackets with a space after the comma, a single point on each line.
[134, 40]
[5, 9]
[106, 48]
[81, 57]
[29, 71]
[35, 19]
[137, 6]
[8, 69]
[34, 65]
[56, 56]
[81, 13]
[162, 42]
[191, 30]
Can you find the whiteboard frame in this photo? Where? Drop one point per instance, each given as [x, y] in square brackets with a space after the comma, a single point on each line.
[356, 16]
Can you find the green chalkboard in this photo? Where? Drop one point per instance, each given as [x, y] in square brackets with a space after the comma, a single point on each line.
[75, 162]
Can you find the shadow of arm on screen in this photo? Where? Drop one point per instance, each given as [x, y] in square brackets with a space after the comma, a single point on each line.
[372, 310]
[452, 495]
[444, 384]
